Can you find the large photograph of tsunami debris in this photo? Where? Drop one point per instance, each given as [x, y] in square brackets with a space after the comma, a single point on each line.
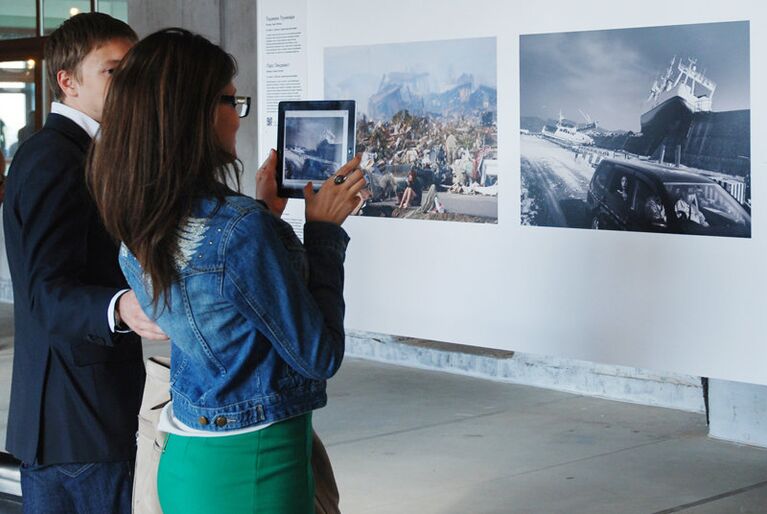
[426, 124]
[643, 129]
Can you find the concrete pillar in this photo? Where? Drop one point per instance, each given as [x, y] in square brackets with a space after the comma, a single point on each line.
[239, 22]
[231, 24]
[201, 16]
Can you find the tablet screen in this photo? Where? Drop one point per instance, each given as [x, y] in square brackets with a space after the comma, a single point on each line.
[316, 145]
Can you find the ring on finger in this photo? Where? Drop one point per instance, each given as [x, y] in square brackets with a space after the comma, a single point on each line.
[339, 179]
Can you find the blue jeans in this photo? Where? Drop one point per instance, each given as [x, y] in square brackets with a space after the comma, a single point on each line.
[83, 488]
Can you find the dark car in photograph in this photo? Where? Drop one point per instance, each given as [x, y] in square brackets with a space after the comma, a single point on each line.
[646, 197]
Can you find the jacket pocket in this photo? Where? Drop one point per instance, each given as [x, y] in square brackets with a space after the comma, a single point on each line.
[88, 354]
[73, 470]
[288, 378]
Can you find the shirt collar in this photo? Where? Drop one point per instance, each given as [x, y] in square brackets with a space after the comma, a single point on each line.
[85, 122]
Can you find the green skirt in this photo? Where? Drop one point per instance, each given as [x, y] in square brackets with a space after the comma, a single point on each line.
[267, 472]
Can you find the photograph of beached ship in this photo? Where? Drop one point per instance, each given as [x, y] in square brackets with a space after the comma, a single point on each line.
[427, 126]
[676, 158]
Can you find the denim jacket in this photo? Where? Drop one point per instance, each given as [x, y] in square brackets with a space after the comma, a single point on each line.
[255, 317]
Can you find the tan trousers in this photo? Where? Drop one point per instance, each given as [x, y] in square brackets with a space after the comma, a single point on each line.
[325, 488]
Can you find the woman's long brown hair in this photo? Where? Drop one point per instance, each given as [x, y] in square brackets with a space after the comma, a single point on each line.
[157, 151]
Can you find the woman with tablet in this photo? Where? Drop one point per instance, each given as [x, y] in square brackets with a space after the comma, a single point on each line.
[255, 317]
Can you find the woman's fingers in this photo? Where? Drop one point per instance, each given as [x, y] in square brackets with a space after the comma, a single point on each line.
[270, 163]
[350, 166]
[353, 177]
[336, 200]
[350, 179]
[357, 186]
[309, 191]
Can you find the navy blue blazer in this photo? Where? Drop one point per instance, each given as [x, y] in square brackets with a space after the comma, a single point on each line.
[76, 386]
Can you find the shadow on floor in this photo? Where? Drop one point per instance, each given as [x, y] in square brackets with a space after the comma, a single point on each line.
[9, 506]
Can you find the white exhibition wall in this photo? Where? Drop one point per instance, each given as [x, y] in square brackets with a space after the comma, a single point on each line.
[681, 303]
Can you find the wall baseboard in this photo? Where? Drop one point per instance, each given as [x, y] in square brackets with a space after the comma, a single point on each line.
[619, 383]
[738, 412]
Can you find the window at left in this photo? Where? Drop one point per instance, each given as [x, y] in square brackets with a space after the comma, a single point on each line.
[18, 19]
[17, 104]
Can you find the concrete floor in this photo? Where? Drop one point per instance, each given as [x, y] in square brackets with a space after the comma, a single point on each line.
[417, 442]
[407, 441]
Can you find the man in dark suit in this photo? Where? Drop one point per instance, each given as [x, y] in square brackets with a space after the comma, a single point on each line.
[78, 370]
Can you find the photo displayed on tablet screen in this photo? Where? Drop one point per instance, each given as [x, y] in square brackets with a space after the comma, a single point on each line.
[316, 145]
[641, 129]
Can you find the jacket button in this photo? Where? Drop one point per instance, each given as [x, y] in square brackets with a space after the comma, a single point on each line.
[220, 421]
[203, 420]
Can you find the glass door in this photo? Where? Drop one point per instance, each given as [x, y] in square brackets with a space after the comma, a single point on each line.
[18, 104]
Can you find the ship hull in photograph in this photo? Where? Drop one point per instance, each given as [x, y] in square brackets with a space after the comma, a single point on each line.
[667, 123]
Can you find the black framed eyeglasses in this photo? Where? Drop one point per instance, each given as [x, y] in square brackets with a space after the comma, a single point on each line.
[240, 103]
